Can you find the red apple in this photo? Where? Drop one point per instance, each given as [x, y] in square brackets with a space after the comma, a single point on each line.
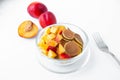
[64, 56]
[46, 19]
[35, 9]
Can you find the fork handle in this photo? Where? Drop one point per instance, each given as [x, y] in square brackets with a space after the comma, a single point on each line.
[117, 60]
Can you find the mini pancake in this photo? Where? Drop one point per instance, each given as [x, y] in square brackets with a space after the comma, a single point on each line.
[72, 48]
[63, 42]
[78, 39]
[68, 34]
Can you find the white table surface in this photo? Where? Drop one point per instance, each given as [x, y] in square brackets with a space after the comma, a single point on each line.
[18, 55]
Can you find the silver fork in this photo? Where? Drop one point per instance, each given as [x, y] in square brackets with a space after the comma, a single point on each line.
[102, 46]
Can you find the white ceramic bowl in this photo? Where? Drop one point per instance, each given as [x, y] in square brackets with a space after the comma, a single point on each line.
[69, 65]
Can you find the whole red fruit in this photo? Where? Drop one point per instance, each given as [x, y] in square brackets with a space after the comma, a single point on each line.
[46, 19]
[35, 9]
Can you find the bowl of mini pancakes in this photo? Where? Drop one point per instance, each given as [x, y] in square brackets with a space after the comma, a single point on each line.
[62, 47]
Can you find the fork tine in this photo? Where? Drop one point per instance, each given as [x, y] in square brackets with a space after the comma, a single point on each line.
[96, 37]
[99, 41]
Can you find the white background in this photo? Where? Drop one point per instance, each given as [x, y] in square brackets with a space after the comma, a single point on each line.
[18, 55]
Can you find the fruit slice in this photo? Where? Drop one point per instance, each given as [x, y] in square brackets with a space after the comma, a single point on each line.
[51, 36]
[47, 30]
[68, 34]
[44, 37]
[52, 43]
[48, 37]
[58, 38]
[51, 48]
[54, 29]
[72, 48]
[27, 29]
[64, 56]
[51, 54]
[43, 46]
[61, 28]
[60, 49]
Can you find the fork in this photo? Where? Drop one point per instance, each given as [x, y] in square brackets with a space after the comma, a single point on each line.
[102, 45]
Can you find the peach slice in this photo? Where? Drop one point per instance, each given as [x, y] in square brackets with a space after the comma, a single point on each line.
[51, 54]
[60, 29]
[52, 43]
[58, 38]
[60, 49]
[64, 56]
[54, 29]
[51, 48]
[27, 29]
[47, 30]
